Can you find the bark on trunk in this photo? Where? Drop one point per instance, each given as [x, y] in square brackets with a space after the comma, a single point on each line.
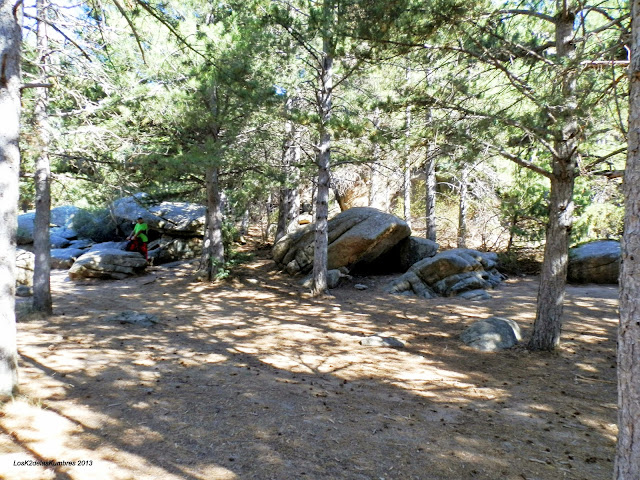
[323, 160]
[430, 194]
[10, 33]
[553, 278]
[627, 464]
[42, 301]
[548, 324]
[213, 248]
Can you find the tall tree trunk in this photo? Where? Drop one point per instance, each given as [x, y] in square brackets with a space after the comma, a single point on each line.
[430, 193]
[323, 160]
[553, 279]
[627, 464]
[10, 33]
[41, 245]
[462, 210]
[213, 248]
[407, 167]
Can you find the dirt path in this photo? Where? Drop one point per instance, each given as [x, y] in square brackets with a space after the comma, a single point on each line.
[252, 379]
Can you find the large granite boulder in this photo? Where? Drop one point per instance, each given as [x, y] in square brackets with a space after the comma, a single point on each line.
[61, 221]
[107, 261]
[449, 273]
[25, 262]
[171, 218]
[357, 237]
[595, 262]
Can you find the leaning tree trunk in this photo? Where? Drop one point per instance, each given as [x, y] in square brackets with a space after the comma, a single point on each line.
[41, 245]
[10, 33]
[553, 279]
[323, 160]
[627, 464]
[213, 247]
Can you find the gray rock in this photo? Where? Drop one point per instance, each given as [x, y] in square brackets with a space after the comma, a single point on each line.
[172, 218]
[105, 262]
[475, 295]
[595, 262]
[357, 238]
[492, 334]
[408, 252]
[81, 244]
[24, 291]
[63, 258]
[61, 218]
[379, 341]
[25, 262]
[449, 273]
[25, 228]
[360, 286]
[134, 318]
[57, 241]
[168, 249]
[333, 279]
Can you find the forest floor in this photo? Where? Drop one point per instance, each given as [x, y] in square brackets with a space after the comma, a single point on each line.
[250, 378]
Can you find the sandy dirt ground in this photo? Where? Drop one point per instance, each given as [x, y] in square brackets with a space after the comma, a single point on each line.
[250, 378]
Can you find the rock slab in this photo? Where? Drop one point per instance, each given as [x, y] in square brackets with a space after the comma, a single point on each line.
[107, 262]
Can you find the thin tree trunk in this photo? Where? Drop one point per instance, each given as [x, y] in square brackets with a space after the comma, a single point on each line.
[462, 207]
[213, 248]
[10, 33]
[430, 194]
[407, 168]
[548, 323]
[42, 301]
[627, 464]
[323, 160]
[289, 208]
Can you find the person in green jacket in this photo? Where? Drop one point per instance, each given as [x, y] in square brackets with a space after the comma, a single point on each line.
[138, 238]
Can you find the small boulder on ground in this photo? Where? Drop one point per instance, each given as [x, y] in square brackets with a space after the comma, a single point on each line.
[134, 318]
[492, 334]
[595, 262]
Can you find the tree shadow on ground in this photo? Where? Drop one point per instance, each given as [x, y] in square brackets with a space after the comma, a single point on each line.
[254, 379]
